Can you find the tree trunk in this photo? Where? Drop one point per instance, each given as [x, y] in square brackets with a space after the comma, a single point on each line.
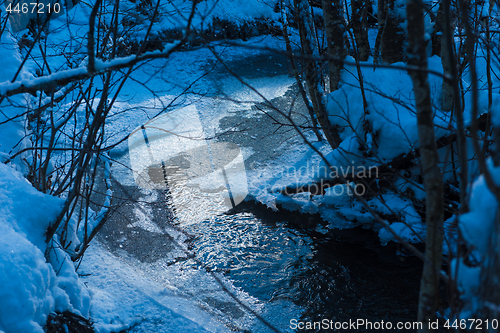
[313, 73]
[295, 71]
[336, 37]
[447, 88]
[448, 44]
[433, 183]
[360, 27]
[389, 45]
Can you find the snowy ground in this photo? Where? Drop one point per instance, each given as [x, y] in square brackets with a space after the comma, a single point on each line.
[124, 296]
[121, 291]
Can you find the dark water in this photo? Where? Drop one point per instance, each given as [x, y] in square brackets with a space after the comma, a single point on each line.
[338, 275]
[341, 275]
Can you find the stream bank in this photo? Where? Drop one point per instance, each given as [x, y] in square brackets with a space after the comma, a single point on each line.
[281, 265]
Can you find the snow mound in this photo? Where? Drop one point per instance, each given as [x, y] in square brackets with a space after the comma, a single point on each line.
[30, 289]
[476, 227]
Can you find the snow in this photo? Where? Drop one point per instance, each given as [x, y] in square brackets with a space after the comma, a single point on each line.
[33, 289]
[468, 279]
[123, 297]
[477, 223]
[475, 227]
[28, 284]
[69, 75]
[239, 11]
[30, 288]
[122, 294]
[13, 133]
[389, 96]
[8, 87]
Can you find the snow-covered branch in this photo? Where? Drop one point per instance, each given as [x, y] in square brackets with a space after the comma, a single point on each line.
[65, 77]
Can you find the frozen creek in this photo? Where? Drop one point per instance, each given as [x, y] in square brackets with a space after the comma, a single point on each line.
[175, 258]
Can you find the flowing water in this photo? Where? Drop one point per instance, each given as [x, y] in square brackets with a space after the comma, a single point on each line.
[279, 258]
[283, 264]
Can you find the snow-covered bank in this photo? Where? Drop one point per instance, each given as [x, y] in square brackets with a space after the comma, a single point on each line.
[389, 95]
[32, 288]
[125, 297]
[393, 133]
[477, 228]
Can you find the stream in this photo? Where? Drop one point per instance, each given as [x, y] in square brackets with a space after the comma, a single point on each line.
[282, 265]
